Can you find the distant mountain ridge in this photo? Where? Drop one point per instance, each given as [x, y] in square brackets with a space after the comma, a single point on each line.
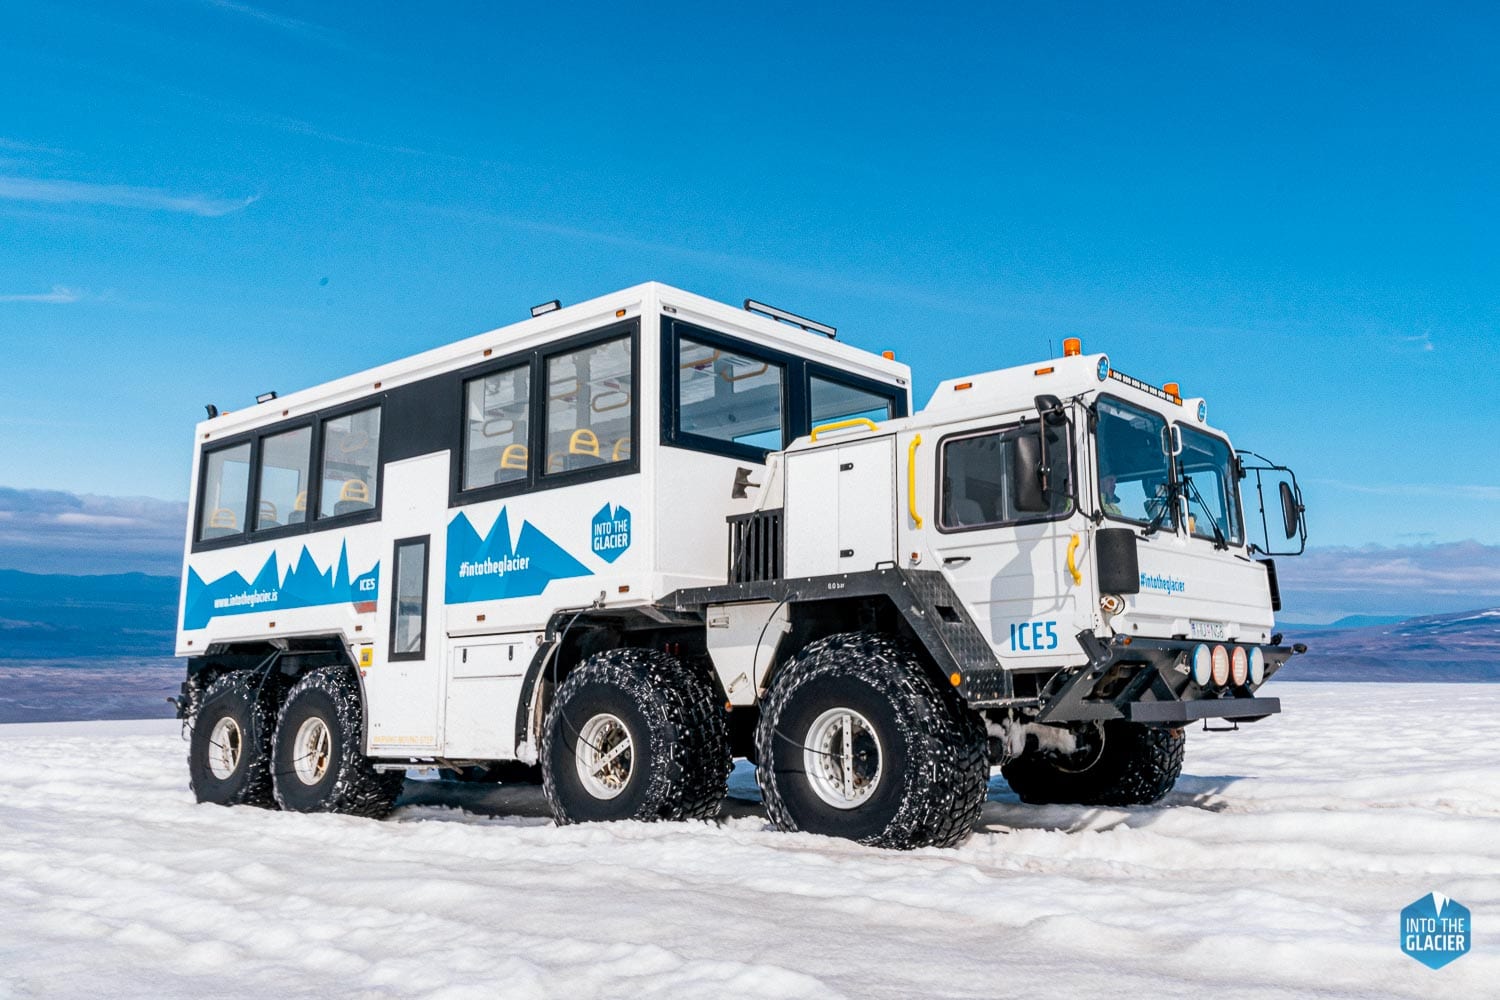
[47, 616]
[1464, 646]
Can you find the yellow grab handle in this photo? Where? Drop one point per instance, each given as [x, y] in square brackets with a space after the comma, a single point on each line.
[841, 424]
[911, 479]
[1073, 566]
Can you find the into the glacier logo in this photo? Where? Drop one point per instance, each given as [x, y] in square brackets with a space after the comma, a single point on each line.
[1435, 930]
[611, 529]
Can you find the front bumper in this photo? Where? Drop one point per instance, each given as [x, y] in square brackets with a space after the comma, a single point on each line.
[1148, 681]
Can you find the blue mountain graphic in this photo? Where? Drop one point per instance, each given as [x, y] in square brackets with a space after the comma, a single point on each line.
[490, 568]
[306, 586]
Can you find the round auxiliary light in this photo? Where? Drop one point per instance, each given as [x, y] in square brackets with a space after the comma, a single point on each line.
[1202, 411]
[1103, 371]
[1202, 665]
[1239, 666]
[1257, 666]
[1221, 665]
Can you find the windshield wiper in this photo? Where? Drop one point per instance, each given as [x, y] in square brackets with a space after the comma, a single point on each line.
[1193, 494]
[1161, 513]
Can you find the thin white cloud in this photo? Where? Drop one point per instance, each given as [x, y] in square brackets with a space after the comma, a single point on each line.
[17, 146]
[1451, 491]
[1422, 340]
[58, 192]
[1327, 583]
[282, 22]
[60, 295]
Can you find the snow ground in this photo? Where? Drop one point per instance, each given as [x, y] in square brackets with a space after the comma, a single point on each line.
[1276, 869]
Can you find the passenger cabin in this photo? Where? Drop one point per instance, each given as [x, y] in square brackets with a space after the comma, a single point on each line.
[432, 514]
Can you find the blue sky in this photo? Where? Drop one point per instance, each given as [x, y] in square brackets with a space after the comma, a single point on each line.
[1289, 211]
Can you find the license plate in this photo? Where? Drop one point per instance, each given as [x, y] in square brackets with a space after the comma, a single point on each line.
[1206, 630]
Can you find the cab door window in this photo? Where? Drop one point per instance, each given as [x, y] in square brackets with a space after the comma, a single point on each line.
[977, 486]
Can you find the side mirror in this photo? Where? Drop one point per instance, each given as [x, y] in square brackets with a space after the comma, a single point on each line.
[1291, 511]
[1026, 474]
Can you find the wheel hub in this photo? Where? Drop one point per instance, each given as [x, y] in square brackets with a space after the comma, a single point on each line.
[225, 745]
[605, 756]
[841, 756]
[312, 749]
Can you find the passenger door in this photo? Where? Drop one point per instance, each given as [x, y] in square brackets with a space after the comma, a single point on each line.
[1010, 567]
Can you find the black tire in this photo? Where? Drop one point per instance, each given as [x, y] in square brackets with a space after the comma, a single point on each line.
[933, 768]
[664, 707]
[1117, 764]
[234, 768]
[340, 777]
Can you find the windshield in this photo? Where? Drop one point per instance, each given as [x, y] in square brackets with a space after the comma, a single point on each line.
[1207, 469]
[1135, 473]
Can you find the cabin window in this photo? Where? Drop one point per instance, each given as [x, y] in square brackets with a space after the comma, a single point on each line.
[351, 463]
[590, 407]
[226, 488]
[833, 401]
[284, 463]
[497, 408]
[730, 395]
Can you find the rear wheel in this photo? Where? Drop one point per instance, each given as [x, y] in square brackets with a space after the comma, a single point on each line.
[229, 748]
[634, 734]
[856, 741]
[1116, 763]
[317, 758]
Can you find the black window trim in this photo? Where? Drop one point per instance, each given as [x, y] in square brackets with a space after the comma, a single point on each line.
[248, 535]
[426, 542]
[1233, 484]
[796, 391]
[671, 381]
[537, 479]
[1099, 478]
[1002, 429]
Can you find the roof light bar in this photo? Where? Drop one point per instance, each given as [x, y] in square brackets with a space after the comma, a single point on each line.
[265, 397]
[1150, 390]
[545, 308]
[811, 326]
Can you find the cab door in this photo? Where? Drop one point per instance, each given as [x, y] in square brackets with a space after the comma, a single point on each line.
[1010, 567]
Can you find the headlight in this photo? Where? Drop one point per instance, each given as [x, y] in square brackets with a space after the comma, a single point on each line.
[1221, 665]
[1239, 666]
[1202, 665]
[1257, 666]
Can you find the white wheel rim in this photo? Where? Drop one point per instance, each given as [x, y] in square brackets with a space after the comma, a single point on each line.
[605, 756]
[842, 758]
[225, 744]
[312, 750]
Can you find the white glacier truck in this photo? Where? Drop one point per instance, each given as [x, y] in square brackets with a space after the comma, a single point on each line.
[623, 542]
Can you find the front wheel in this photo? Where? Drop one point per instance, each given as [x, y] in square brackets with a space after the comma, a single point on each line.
[1115, 763]
[318, 761]
[856, 741]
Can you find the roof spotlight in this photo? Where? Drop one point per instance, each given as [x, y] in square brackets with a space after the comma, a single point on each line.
[265, 397]
[545, 308]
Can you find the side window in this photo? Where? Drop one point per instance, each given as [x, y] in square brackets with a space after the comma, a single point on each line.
[496, 413]
[409, 600]
[284, 460]
[351, 457]
[226, 488]
[832, 402]
[729, 395]
[977, 487]
[590, 406]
